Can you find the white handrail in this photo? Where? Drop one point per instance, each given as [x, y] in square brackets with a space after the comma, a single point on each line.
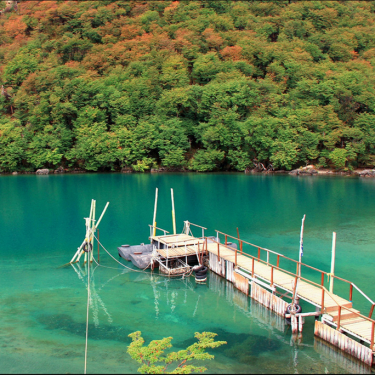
[197, 225]
[363, 294]
[153, 226]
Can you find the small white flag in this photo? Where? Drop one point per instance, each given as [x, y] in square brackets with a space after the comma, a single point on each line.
[301, 237]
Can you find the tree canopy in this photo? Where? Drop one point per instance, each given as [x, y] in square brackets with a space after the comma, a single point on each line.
[199, 85]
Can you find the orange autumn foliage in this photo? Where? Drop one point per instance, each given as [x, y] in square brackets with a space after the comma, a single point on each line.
[213, 39]
[232, 53]
[15, 27]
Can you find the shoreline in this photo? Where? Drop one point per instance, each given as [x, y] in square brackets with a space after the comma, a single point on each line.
[359, 172]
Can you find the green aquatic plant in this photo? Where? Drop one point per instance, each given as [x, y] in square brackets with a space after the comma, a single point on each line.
[154, 361]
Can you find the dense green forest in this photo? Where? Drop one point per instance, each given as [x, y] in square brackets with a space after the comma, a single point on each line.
[193, 85]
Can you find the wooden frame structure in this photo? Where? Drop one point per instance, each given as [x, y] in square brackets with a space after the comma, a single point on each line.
[91, 227]
[174, 249]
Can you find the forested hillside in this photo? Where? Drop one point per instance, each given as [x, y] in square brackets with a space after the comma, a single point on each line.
[195, 85]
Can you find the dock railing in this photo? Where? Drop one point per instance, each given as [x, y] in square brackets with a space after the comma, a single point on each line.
[299, 267]
[297, 276]
[154, 227]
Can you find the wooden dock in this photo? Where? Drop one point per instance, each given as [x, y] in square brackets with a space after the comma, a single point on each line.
[337, 313]
[341, 325]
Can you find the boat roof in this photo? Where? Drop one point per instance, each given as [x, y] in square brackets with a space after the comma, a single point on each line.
[178, 252]
[177, 240]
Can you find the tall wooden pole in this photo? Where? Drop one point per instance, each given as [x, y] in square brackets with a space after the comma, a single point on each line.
[88, 225]
[155, 208]
[238, 236]
[101, 216]
[301, 245]
[333, 262]
[87, 237]
[173, 213]
[92, 230]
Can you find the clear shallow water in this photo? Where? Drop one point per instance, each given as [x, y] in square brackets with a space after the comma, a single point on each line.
[43, 308]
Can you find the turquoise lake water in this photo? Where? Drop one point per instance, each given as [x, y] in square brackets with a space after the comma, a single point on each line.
[43, 307]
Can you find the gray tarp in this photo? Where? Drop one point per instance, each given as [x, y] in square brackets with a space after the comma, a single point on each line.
[141, 260]
[125, 251]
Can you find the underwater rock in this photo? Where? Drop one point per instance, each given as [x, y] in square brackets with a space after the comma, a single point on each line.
[244, 347]
[66, 323]
[250, 348]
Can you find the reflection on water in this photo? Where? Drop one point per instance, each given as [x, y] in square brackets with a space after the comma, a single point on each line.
[123, 301]
[256, 337]
[95, 300]
[43, 308]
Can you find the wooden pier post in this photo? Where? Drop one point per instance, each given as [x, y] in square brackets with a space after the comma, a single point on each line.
[218, 252]
[239, 241]
[294, 322]
[371, 311]
[295, 289]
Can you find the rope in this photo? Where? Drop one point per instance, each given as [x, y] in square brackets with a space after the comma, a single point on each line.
[188, 273]
[88, 309]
